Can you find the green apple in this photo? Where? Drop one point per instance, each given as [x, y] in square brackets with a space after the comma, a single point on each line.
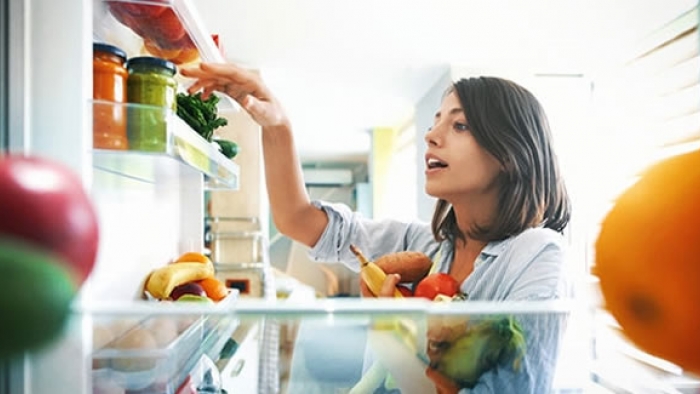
[36, 291]
[194, 298]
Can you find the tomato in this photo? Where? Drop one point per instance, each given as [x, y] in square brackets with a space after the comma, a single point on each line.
[121, 12]
[43, 203]
[116, 8]
[187, 55]
[436, 283]
[152, 47]
[188, 51]
[167, 29]
[145, 10]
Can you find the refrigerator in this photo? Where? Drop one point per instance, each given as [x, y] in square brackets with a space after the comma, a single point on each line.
[152, 208]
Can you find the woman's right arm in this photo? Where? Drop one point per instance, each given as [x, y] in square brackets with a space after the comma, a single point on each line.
[291, 208]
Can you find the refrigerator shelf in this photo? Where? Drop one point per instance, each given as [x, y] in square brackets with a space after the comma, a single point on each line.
[156, 354]
[394, 334]
[167, 29]
[166, 147]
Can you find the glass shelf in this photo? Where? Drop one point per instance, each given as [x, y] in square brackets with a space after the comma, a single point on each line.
[168, 29]
[332, 345]
[160, 145]
[393, 332]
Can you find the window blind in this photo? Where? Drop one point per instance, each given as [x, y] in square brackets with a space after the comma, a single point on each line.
[649, 110]
[666, 73]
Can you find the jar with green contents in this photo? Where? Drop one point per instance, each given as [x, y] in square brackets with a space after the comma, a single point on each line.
[151, 82]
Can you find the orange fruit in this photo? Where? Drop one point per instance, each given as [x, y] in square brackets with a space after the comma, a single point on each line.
[648, 261]
[193, 257]
[215, 289]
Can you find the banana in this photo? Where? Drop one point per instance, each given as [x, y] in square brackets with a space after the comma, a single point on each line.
[372, 274]
[163, 280]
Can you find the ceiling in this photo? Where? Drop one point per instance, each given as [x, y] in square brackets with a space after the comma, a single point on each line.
[343, 67]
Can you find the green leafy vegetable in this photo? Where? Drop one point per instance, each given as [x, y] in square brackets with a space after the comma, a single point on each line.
[200, 114]
[488, 343]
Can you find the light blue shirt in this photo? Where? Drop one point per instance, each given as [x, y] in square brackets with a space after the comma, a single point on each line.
[528, 266]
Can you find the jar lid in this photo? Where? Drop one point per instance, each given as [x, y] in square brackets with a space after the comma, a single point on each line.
[102, 47]
[152, 62]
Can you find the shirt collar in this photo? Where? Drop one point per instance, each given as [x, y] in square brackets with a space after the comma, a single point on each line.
[494, 248]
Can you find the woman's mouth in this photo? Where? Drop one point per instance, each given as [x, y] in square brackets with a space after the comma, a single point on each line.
[433, 165]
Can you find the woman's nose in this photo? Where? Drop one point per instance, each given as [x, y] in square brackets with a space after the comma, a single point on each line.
[431, 136]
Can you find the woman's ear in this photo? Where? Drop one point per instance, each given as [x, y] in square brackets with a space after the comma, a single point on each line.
[506, 165]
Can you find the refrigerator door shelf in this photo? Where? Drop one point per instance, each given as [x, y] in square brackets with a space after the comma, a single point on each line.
[167, 29]
[173, 149]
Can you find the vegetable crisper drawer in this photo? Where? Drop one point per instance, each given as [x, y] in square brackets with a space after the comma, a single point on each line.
[155, 354]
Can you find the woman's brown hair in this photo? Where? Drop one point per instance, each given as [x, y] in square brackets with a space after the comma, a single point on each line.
[509, 122]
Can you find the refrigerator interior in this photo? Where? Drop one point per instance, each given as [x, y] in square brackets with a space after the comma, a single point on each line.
[152, 208]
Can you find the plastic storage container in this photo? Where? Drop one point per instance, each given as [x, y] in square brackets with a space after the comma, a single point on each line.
[109, 77]
[152, 83]
[156, 354]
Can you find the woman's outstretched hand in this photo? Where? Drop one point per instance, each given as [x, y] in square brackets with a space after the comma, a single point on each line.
[244, 86]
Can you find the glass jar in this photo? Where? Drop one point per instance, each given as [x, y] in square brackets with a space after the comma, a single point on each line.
[151, 82]
[109, 77]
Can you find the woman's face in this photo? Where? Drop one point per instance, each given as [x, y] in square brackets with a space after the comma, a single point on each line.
[456, 165]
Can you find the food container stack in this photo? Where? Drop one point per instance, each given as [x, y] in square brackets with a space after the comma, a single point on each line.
[240, 253]
[239, 250]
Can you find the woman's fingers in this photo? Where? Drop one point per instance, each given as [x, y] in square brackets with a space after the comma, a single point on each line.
[228, 78]
[203, 85]
[389, 285]
[364, 289]
[226, 70]
[222, 77]
[244, 86]
[387, 289]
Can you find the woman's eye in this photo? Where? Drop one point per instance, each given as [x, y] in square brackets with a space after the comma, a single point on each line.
[429, 129]
[461, 126]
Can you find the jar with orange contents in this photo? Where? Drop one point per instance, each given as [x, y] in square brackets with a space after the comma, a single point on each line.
[109, 77]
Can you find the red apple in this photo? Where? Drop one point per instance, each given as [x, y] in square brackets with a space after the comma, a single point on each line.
[187, 288]
[437, 283]
[43, 202]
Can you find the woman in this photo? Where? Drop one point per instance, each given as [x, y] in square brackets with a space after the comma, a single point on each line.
[502, 206]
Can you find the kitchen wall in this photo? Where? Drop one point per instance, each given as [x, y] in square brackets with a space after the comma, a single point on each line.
[424, 116]
[250, 200]
[126, 256]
